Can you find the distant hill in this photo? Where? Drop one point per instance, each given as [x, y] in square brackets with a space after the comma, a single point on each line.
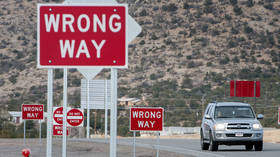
[186, 49]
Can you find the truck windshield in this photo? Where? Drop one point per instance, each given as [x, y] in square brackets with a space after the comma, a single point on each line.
[233, 112]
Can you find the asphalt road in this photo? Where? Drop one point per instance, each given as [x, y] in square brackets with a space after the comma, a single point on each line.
[192, 147]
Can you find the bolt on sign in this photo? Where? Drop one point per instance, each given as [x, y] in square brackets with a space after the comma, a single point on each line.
[82, 36]
[146, 119]
[32, 112]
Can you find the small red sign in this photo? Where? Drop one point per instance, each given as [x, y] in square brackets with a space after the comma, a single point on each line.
[32, 111]
[82, 36]
[146, 119]
[58, 115]
[245, 88]
[75, 117]
[58, 130]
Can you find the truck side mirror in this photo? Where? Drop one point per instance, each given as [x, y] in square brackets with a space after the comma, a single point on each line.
[260, 116]
[207, 116]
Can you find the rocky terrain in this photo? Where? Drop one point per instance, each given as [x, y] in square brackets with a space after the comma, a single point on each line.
[185, 44]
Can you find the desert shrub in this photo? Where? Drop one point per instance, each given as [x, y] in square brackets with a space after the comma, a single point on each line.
[234, 31]
[13, 78]
[237, 10]
[143, 13]
[233, 2]
[248, 29]
[170, 7]
[268, 6]
[250, 3]
[224, 60]
[228, 17]
[232, 44]
[235, 59]
[204, 28]
[187, 82]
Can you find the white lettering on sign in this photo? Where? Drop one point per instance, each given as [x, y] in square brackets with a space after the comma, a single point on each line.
[146, 124]
[146, 114]
[32, 115]
[33, 109]
[68, 48]
[52, 21]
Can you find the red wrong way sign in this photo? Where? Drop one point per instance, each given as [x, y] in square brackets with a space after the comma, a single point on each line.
[82, 36]
[32, 112]
[75, 117]
[146, 119]
[58, 130]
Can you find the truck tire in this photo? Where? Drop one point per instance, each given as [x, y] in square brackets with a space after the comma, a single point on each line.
[212, 144]
[259, 146]
[204, 146]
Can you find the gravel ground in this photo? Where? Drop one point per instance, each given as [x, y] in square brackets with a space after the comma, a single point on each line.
[13, 147]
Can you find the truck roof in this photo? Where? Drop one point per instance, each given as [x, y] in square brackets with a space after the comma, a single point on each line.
[231, 104]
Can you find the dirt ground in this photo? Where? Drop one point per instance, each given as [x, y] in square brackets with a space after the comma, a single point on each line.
[13, 147]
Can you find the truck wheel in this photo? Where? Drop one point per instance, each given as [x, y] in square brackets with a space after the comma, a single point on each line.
[259, 146]
[213, 144]
[204, 146]
[249, 146]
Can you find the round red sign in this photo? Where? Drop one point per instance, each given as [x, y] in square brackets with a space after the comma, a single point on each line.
[75, 117]
[58, 115]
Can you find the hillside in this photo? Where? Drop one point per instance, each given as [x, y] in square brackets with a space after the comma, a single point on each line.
[187, 48]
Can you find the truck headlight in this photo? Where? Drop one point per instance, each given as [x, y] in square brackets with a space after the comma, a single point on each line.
[220, 126]
[257, 126]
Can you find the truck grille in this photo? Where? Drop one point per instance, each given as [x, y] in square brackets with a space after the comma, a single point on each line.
[233, 135]
[238, 126]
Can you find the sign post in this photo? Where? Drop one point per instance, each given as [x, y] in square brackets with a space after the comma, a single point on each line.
[146, 119]
[50, 117]
[278, 115]
[32, 112]
[134, 143]
[24, 126]
[88, 114]
[64, 138]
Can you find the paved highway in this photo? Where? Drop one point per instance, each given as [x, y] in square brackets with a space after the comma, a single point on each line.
[192, 147]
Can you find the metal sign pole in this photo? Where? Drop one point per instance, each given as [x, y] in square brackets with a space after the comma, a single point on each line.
[113, 121]
[157, 143]
[106, 109]
[88, 114]
[134, 143]
[64, 112]
[50, 106]
[40, 131]
[24, 126]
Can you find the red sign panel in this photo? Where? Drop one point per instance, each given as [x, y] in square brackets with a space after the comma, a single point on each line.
[245, 88]
[75, 117]
[82, 36]
[58, 130]
[58, 115]
[32, 111]
[146, 119]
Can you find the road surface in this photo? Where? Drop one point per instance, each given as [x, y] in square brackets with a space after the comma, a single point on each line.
[192, 147]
